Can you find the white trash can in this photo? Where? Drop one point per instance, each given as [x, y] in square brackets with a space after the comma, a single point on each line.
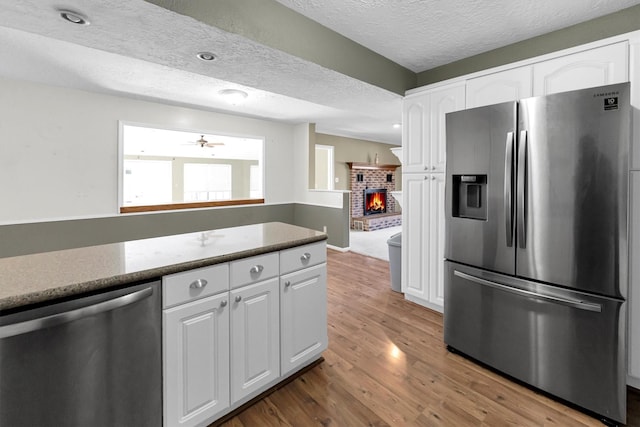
[395, 254]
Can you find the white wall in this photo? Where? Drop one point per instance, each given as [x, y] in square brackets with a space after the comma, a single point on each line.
[59, 149]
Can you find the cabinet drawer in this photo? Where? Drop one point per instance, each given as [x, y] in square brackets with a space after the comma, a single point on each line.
[193, 284]
[254, 269]
[302, 256]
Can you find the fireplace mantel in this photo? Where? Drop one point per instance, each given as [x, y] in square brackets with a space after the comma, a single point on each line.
[371, 166]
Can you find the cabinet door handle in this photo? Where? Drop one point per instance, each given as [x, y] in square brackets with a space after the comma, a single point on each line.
[223, 303]
[287, 284]
[198, 284]
[238, 298]
[305, 257]
[256, 269]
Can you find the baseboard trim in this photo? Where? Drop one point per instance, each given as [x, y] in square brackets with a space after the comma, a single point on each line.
[335, 248]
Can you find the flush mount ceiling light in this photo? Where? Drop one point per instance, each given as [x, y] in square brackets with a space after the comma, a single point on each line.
[396, 125]
[234, 96]
[206, 56]
[73, 17]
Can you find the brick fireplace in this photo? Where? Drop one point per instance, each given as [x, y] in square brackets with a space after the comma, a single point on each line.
[369, 184]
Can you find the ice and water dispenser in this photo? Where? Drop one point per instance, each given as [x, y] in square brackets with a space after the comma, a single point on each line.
[469, 196]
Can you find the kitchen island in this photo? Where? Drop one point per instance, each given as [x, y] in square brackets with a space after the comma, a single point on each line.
[228, 314]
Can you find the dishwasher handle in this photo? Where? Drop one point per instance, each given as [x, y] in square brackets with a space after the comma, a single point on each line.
[71, 315]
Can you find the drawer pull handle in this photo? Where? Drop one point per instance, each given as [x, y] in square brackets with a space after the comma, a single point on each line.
[256, 269]
[238, 298]
[223, 303]
[287, 284]
[198, 284]
[305, 257]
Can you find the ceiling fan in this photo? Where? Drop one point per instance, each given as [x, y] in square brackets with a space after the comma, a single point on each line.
[204, 143]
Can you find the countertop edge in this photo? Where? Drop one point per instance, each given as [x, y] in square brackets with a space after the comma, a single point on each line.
[27, 300]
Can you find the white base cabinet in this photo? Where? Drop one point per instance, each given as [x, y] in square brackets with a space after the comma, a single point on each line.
[255, 337]
[231, 331]
[633, 297]
[303, 321]
[196, 360]
[423, 239]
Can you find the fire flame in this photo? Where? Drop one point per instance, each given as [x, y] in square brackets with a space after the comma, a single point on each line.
[375, 202]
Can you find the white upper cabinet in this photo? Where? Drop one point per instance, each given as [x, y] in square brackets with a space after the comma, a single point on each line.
[634, 70]
[442, 101]
[415, 120]
[423, 138]
[594, 67]
[504, 86]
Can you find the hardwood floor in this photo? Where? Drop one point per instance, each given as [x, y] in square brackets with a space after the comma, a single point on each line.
[387, 365]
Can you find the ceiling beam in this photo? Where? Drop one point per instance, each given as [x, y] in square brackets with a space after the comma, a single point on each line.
[271, 24]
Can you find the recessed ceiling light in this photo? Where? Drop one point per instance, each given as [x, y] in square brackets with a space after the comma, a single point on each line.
[234, 96]
[397, 125]
[206, 56]
[73, 17]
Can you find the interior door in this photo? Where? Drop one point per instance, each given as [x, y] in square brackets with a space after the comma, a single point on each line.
[572, 189]
[479, 188]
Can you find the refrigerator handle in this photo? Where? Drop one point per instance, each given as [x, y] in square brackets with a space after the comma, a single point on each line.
[521, 217]
[582, 305]
[508, 189]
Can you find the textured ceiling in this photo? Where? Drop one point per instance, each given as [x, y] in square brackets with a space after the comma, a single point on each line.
[136, 49]
[423, 34]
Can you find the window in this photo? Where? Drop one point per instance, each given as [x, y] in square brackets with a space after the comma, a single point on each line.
[136, 175]
[173, 169]
[204, 181]
[324, 167]
[255, 180]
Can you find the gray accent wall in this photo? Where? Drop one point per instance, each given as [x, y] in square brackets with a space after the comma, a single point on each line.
[620, 22]
[22, 239]
[317, 217]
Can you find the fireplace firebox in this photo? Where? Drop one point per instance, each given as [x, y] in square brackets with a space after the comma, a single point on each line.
[375, 201]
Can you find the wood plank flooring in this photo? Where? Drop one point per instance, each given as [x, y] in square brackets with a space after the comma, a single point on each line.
[387, 365]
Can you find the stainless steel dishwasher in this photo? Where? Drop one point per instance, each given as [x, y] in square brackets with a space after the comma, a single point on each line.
[91, 361]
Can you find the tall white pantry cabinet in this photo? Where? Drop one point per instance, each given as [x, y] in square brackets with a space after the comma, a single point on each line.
[610, 61]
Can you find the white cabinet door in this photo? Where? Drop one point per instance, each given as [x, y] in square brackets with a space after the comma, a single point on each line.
[415, 122]
[634, 73]
[196, 360]
[504, 86]
[442, 101]
[436, 214]
[633, 298]
[255, 337]
[423, 239]
[303, 316]
[595, 67]
[415, 194]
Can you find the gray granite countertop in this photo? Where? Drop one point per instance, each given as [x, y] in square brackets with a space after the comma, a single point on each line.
[46, 276]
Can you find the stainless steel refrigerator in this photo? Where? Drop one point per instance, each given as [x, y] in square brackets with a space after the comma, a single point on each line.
[536, 242]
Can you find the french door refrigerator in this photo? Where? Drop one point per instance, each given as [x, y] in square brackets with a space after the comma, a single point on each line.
[536, 242]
